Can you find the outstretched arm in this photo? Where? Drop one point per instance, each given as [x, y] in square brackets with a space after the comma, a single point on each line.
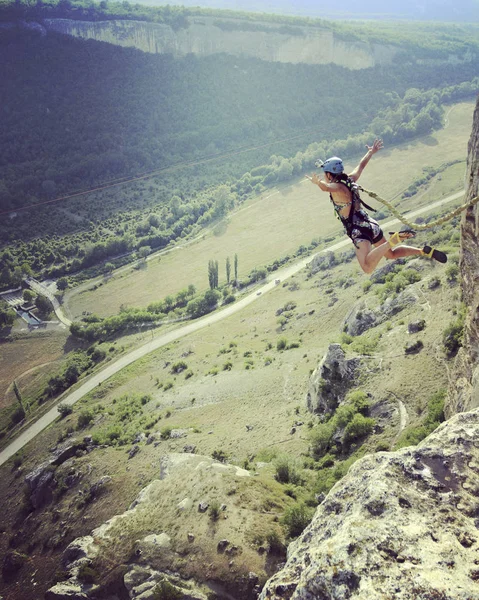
[323, 185]
[378, 144]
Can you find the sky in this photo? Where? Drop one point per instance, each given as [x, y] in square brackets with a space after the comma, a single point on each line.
[429, 10]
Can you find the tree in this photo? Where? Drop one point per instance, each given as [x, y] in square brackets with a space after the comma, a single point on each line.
[213, 274]
[62, 284]
[28, 295]
[43, 304]
[236, 267]
[144, 251]
[228, 269]
[7, 315]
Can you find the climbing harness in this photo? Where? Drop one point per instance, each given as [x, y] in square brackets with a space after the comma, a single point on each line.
[418, 226]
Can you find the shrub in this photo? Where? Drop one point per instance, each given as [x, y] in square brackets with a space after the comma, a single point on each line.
[296, 518]
[165, 433]
[17, 416]
[287, 470]
[282, 344]
[17, 460]
[358, 427]
[64, 409]
[275, 542]
[179, 367]
[214, 510]
[359, 400]
[84, 419]
[363, 345]
[321, 437]
[453, 335]
[220, 455]
[227, 366]
[452, 273]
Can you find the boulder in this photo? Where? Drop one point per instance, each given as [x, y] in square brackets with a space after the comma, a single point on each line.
[416, 326]
[360, 319]
[41, 482]
[66, 451]
[66, 591]
[330, 381]
[399, 525]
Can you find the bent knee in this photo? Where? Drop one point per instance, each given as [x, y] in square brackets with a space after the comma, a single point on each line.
[389, 254]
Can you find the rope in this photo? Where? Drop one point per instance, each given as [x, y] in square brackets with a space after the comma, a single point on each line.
[418, 226]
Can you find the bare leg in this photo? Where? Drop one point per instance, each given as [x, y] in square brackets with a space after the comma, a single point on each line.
[369, 257]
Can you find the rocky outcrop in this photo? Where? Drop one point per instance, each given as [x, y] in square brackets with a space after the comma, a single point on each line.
[464, 389]
[330, 381]
[208, 35]
[361, 318]
[163, 526]
[400, 525]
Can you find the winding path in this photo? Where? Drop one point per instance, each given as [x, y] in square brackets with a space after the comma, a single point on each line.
[167, 338]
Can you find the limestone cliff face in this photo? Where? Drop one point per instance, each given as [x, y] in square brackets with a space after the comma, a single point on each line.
[400, 525]
[464, 388]
[205, 36]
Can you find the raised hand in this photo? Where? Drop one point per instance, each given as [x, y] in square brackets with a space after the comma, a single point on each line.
[378, 144]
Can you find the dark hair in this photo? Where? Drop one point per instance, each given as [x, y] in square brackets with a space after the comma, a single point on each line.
[339, 177]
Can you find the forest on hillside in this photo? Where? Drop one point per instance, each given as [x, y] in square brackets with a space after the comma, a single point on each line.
[77, 114]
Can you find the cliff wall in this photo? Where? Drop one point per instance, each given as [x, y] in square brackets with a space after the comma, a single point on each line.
[464, 386]
[206, 36]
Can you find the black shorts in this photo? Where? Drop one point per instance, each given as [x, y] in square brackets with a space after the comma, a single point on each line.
[363, 228]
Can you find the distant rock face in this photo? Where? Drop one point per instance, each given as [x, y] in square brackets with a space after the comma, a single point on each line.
[206, 36]
[400, 525]
[330, 382]
[464, 390]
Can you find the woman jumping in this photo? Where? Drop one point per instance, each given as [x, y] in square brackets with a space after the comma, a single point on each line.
[365, 232]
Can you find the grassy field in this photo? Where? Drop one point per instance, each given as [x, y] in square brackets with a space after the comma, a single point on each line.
[276, 223]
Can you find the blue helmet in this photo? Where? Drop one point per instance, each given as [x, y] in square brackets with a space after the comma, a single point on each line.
[332, 165]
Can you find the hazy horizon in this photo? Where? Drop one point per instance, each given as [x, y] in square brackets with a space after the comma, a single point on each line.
[427, 10]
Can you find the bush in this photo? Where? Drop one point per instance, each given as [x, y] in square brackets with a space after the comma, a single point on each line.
[287, 470]
[214, 510]
[452, 273]
[275, 542]
[282, 344]
[165, 433]
[321, 437]
[64, 409]
[453, 335]
[296, 518]
[359, 400]
[84, 419]
[220, 456]
[17, 416]
[358, 427]
[179, 367]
